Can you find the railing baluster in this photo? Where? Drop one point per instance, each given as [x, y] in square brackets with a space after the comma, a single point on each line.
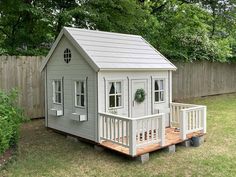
[106, 127]
[204, 117]
[122, 132]
[183, 124]
[177, 117]
[127, 132]
[147, 129]
[114, 127]
[151, 130]
[195, 116]
[137, 131]
[189, 119]
[118, 132]
[197, 119]
[103, 126]
[110, 128]
[143, 133]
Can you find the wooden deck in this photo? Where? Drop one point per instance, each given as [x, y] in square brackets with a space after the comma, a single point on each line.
[171, 137]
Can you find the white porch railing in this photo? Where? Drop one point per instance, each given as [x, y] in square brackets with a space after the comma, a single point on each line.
[189, 118]
[132, 132]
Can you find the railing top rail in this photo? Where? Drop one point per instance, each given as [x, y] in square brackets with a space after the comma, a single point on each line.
[149, 116]
[185, 104]
[193, 108]
[128, 118]
[114, 116]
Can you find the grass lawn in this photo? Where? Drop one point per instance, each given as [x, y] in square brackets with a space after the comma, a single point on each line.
[45, 153]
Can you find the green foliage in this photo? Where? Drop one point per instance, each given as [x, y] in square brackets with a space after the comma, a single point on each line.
[184, 34]
[181, 29]
[10, 119]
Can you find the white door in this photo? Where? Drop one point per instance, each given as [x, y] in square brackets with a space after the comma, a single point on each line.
[138, 109]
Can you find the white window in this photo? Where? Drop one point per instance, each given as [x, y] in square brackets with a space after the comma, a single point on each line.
[57, 91]
[115, 95]
[80, 94]
[67, 55]
[159, 90]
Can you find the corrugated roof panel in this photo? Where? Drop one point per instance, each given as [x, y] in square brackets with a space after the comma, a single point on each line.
[119, 51]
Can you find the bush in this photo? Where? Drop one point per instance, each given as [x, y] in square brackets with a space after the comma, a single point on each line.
[10, 119]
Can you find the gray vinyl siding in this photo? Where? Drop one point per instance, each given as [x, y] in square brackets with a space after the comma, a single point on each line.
[126, 77]
[76, 69]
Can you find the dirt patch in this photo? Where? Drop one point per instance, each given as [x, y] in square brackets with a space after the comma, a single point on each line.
[6, 157]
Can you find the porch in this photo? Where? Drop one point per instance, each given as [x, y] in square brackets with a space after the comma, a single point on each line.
[137, 136]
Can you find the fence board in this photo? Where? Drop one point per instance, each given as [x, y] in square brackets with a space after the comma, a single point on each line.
[202, 79]
[190, 80]
[23, 73]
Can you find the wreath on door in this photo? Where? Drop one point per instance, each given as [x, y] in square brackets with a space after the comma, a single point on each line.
[139, 95]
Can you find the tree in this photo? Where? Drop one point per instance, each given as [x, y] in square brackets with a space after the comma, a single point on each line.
[23, 26]
[181, 29]
[185, 31]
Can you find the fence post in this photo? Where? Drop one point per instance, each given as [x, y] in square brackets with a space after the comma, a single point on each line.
[132, 137]
[183, 124]
[162, 129]
[204, 117]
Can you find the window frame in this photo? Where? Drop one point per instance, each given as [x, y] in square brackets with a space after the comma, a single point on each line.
[76, 94]
[56, 92]
[67, 55]
[159, 91]
[115, 94]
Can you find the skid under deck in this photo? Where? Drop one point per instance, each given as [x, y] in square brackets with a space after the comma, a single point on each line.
[172, 137]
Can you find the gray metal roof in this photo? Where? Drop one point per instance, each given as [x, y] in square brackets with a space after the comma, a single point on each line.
[107, 50]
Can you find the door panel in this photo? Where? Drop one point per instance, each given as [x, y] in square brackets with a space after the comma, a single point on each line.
[139, 109]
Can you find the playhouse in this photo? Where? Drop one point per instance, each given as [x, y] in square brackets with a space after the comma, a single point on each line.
[115, 90]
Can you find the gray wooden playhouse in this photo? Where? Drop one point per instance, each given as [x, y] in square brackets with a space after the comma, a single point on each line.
[115, 90]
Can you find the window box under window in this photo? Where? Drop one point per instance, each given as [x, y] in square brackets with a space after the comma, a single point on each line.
[56, 112]
[78, 117]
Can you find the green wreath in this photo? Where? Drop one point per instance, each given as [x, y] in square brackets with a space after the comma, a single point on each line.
[139, 95]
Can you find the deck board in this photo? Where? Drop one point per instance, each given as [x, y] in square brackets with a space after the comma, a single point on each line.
[171, 137]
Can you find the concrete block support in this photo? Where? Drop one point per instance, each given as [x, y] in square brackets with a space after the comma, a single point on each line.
[170, 149]
[143, 158]
[197, 141]
[186, 143]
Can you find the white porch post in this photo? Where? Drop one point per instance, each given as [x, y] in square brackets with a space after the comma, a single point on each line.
[182, 124]
[132, 137]
[162, 129]
[204, 117]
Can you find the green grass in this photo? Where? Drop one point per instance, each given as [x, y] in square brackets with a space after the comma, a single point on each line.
[46, 153]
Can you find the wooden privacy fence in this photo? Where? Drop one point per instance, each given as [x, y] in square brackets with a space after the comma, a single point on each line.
[190, 80]
[202, 79]
[23, 73]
